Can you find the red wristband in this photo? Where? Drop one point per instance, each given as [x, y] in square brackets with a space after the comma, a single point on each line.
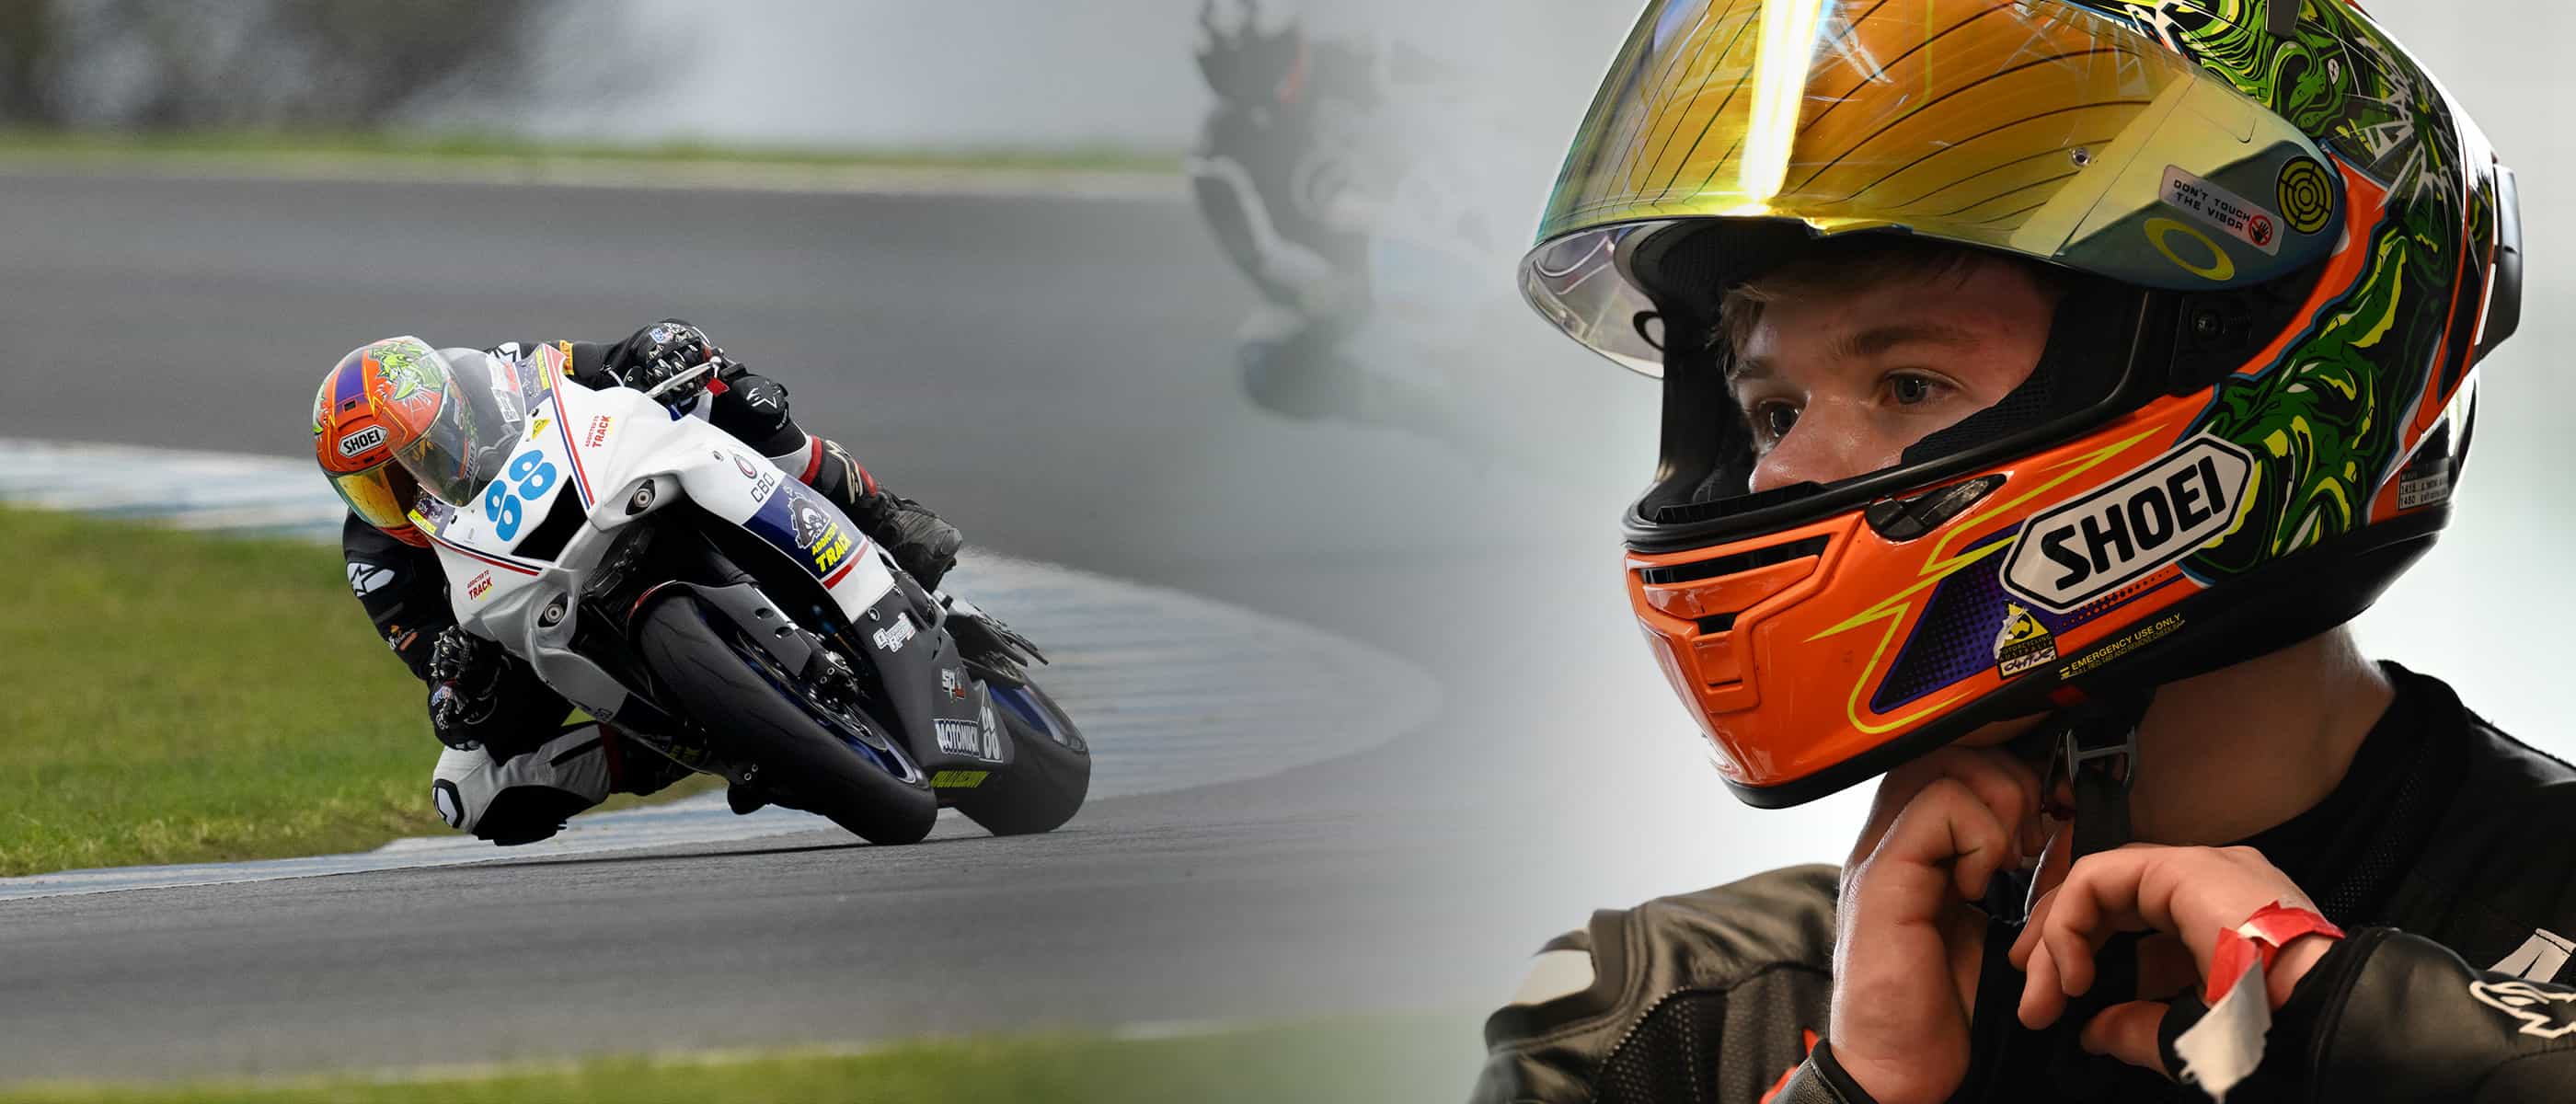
[2261, 936]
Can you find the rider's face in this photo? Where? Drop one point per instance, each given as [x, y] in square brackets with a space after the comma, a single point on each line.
[1837, 383]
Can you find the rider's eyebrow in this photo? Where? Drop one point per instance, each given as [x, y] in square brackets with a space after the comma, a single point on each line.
[1867, 343]
[1879, 339]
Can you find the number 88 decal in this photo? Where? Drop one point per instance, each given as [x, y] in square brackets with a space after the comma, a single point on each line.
[535, 475]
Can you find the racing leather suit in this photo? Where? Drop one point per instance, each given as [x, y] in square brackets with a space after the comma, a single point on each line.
[2443, 853]
[531, 771]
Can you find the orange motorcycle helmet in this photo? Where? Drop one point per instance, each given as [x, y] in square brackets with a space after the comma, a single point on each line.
[2285, 251]
[354, 440]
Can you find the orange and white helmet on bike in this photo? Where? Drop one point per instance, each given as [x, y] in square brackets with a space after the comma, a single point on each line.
[397, 412]
[2285, 249]
[355, 445]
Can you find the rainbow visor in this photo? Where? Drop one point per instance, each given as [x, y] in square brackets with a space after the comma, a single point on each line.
[2040, 128]
[381, 496]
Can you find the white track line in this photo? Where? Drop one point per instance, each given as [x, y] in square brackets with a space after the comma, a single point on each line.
[1172, 690]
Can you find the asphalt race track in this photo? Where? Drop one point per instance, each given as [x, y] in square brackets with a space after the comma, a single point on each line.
[1053, 373]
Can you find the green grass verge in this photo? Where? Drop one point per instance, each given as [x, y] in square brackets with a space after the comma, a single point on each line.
[175, 697]
[254, 144]
[1356, 1061]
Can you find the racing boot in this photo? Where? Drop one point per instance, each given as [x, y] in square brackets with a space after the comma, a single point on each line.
[923, 546]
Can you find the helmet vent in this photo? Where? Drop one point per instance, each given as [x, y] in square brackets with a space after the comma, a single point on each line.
[1735, 564]
[1685, 512]
[1903, 519]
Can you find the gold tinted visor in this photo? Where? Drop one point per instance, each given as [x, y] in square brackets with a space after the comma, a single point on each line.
[2038, 128]
[381, 496]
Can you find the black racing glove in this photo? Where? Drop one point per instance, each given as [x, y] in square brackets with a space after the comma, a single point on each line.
[663, 350]
[464, 678]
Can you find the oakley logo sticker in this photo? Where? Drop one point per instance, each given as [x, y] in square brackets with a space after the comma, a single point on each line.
[362, 440]
[2120, 533]
[2545, 1010]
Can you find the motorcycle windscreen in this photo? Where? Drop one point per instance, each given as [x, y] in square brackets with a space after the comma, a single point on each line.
[455, 441]
[2038, 128]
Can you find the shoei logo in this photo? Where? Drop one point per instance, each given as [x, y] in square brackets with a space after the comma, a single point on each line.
[362, 440]
[2145, 520]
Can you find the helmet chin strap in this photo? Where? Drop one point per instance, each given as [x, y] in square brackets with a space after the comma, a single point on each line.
[2097, 749]
[2094, 745]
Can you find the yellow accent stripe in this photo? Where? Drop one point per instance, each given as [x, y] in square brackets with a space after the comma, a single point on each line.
[1894, 607]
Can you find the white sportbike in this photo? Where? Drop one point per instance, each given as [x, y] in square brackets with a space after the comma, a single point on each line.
[662, 576]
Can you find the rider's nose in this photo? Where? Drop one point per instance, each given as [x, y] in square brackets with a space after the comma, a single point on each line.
[1822, 448]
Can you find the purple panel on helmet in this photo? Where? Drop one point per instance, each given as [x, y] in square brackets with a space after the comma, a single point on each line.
[348, 386]
[1957, 635]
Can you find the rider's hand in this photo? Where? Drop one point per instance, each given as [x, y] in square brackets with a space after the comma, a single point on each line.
[464, 672]
[2190, 892]
[666, 349]
[1908, 946]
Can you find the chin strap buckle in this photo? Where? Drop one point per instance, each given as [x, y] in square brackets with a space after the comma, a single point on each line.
[2084, 748]
[2097, 753]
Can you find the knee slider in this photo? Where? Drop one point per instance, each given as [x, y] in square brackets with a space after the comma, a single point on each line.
[526, 798]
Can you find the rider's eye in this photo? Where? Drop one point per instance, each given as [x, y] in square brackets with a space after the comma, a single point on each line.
[1774, 420]
[1909, 390]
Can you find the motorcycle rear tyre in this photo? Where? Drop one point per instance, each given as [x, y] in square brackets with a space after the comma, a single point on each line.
[1039, 791]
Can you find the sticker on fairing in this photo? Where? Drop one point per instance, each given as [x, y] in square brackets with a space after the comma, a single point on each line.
[431, 515]
[2124, 531]
[2242, 218]
[802, 525]
[893, 637]
[967, 738]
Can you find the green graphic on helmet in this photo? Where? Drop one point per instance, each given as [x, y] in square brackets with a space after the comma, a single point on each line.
[2321, 425]
[400, 365]
[2337, 78]
[2325, 421]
